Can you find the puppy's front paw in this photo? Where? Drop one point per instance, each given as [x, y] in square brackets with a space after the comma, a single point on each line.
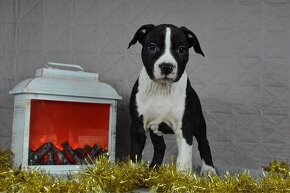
[155, 130]
[206, 169]
[184, 162]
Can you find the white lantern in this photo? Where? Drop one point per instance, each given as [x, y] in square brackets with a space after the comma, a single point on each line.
[63, 119]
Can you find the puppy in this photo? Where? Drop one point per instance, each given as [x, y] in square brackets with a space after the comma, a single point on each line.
[163, 101]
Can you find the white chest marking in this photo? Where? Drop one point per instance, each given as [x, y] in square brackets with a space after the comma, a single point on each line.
[161, 102]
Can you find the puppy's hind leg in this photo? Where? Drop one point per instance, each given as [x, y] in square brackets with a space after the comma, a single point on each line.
[203, 147]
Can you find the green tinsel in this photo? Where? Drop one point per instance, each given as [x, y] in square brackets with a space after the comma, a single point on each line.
[106, 176]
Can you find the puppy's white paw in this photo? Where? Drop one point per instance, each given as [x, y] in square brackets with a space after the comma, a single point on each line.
[184, 163]
[206, 169]
[155, 130]
[184, 167]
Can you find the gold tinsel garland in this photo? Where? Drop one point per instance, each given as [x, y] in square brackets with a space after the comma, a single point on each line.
[106, 176]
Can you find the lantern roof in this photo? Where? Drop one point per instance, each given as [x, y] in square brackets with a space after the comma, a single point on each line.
[55, 81]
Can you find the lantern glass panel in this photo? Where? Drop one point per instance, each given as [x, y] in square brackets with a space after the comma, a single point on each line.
[77, 124]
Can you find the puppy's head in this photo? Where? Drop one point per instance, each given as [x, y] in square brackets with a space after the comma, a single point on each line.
[165, 50]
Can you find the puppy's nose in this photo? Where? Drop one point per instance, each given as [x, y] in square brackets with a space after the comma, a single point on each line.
[166, 68]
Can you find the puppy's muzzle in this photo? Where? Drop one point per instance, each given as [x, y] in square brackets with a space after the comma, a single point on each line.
[166, 68]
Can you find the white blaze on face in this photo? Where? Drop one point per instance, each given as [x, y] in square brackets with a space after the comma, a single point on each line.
[166, 57]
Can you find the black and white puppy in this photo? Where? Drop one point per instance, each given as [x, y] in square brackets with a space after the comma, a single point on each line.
[163, 101]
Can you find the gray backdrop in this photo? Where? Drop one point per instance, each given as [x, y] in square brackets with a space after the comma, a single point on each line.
[243, 82]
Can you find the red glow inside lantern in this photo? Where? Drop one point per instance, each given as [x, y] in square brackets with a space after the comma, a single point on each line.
[77, 123]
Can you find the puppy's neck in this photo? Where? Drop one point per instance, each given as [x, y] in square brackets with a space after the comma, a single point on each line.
[150, 87]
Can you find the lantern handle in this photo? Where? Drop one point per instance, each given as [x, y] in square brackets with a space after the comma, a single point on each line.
[54, 65]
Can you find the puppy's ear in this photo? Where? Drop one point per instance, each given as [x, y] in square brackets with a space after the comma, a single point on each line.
[140, 34]
[192, 40]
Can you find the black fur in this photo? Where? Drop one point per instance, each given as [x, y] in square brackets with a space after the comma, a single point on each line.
[193, 122]
[137, 132]
[148, 34]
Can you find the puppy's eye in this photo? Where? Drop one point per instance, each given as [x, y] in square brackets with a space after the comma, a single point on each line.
[181, 49]
[152, 47]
